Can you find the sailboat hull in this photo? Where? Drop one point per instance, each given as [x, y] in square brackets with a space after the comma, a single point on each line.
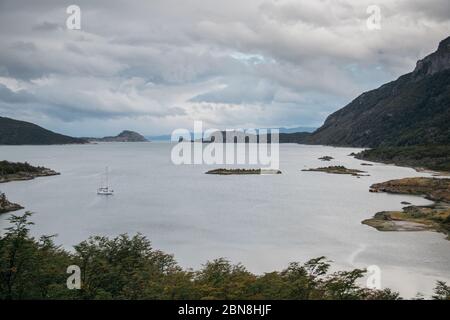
[105, 192]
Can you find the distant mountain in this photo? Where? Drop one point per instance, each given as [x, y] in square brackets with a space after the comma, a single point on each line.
[163, 137]
[285, 134]
[412, 110]
[233, 136]
[124, 136]
[297, 129]
[15, 132]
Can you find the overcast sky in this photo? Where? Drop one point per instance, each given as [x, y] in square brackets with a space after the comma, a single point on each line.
[153, 66]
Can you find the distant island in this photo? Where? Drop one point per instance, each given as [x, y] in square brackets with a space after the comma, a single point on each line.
[15, 132]
[338, 170]
[238, 171]
[124, 136]
[326, 158]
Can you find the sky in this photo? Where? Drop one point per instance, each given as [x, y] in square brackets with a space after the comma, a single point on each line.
[155, 66]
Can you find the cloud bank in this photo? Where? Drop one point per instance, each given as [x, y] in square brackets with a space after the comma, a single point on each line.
[156, 65]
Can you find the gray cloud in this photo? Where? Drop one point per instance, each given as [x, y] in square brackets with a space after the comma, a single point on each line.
[157, 65]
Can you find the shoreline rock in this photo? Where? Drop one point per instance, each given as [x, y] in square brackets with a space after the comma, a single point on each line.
[7, 206]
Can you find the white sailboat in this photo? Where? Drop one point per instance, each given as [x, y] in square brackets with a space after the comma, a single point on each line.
[105, 189]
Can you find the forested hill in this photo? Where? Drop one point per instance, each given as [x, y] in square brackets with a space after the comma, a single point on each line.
[14, 132]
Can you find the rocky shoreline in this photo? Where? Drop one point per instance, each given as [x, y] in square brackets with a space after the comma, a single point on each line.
[421, 158]
[17, 171]
[23, 176]
[7, 206]
[435, 217]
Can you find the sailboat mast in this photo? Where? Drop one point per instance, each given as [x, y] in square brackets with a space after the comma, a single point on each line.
[107, 180]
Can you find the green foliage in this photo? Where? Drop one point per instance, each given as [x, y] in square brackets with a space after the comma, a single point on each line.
[442, 291]
[122, 268]
[129, 268]
[29, 268]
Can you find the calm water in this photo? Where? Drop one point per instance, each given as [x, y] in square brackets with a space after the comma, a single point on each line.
[262, 221]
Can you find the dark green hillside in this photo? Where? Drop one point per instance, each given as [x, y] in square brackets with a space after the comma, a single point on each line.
[14, 132]
[432, 157]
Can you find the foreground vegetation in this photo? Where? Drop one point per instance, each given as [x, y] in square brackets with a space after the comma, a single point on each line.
[129, 268]
[434, 157]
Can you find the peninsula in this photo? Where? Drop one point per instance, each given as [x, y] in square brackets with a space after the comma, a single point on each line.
[18, 171]
[415, 218]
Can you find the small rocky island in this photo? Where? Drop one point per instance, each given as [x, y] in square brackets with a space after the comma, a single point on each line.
[326, 158]
[223, 171]
[18, 171]
[415, 218]
[6, 206]
[338, 170]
